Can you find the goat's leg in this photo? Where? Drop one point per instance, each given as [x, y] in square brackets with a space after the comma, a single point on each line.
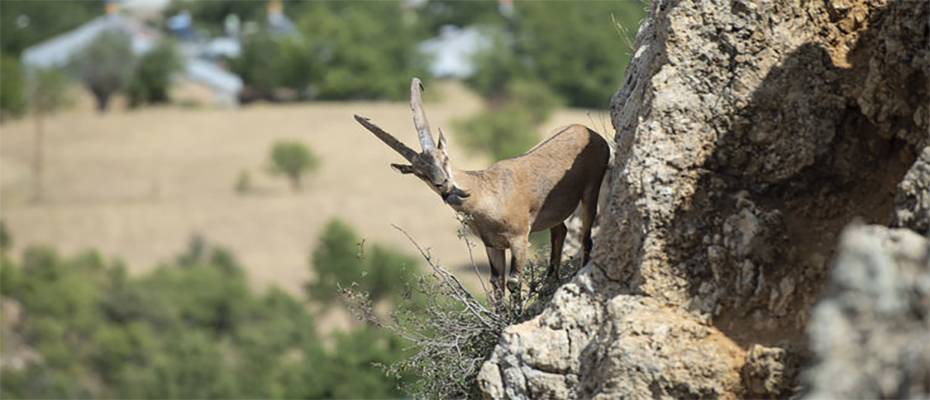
[498, 264]
[556, 241]
[518, 258]
[588, 214]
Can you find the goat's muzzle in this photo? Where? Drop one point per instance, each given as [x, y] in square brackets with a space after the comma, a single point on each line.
[455, 196]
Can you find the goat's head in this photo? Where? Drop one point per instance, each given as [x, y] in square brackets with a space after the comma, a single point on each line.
[432, 165]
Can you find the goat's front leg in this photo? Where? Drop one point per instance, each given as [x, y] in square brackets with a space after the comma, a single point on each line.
[518, 257]
[498, 265]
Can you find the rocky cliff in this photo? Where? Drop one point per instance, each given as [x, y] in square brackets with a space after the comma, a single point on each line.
[749, 134]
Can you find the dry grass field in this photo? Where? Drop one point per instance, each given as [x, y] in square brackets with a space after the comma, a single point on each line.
[138, 184]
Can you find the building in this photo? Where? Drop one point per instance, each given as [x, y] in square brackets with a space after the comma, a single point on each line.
[198, 70]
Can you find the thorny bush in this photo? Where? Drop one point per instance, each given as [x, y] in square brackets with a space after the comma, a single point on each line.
[451, 330]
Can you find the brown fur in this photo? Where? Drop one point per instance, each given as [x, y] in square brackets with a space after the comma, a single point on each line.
[505, 202]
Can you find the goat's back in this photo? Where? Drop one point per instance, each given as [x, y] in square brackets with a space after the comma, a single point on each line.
[551, 178]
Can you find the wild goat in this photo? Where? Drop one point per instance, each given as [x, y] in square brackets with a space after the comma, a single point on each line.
[513, 197]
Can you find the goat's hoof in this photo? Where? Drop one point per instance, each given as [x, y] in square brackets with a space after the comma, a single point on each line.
[513, 284]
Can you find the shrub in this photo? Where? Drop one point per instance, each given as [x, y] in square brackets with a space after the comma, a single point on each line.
[151, 80]
[5, 239]
[451, 331]
[340, 260]
[243, 182]
[191, 330]
[293, 159]
[105, 66]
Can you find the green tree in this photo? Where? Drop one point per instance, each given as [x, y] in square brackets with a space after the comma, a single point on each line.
[151, 80]
[47, 93]
[210, 15]
[336, 261]
[584, 60]
[12, 88]
[189, 329]
[260, 65]
[341, 259]
[105, 66]
[365, 349]
[342, 51]
[389, 273]
[293, 159]
[361, 52]
[26, 23]
[510, 129]
[437, 13]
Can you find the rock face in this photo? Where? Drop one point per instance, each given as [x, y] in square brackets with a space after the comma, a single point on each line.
[871, 331]
[749, 134]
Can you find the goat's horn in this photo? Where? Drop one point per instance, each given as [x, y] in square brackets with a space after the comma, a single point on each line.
[389, 140]
[419, 117]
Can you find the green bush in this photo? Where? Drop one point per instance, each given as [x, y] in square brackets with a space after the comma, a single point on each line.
[151, 80]
[189, 329]
[5, 239]
[584, 60]
[243, 183]
[509, 130]
[12, 88]
[293, 159]
[105, 66]
[340, 260]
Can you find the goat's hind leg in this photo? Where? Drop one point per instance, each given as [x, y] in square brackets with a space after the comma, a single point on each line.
[557, 241]
[588, 214]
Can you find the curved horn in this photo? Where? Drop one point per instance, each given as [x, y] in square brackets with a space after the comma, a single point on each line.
[419, 117]
[389, 140]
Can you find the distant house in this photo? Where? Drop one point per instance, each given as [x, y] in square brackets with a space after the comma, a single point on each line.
[451, 51]
[57, 51]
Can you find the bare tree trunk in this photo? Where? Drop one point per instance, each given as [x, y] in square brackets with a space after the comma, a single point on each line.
[102, 100]
[296, 184]
[37, 157]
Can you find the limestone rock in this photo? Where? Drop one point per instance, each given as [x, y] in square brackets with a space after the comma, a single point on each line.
[749, 134]
[913, 199]
[871, 331]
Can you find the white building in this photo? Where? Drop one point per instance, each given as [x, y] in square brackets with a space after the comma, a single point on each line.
[57, 51]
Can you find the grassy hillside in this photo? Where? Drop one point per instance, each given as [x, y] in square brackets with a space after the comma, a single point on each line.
[138, 184]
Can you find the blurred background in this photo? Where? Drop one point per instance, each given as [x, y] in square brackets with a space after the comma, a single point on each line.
[183, 188]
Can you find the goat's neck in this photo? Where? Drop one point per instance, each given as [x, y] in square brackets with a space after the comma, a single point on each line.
[475, 183]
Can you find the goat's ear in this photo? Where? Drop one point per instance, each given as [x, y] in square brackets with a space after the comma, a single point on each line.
[442, 141]
[403, 168]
